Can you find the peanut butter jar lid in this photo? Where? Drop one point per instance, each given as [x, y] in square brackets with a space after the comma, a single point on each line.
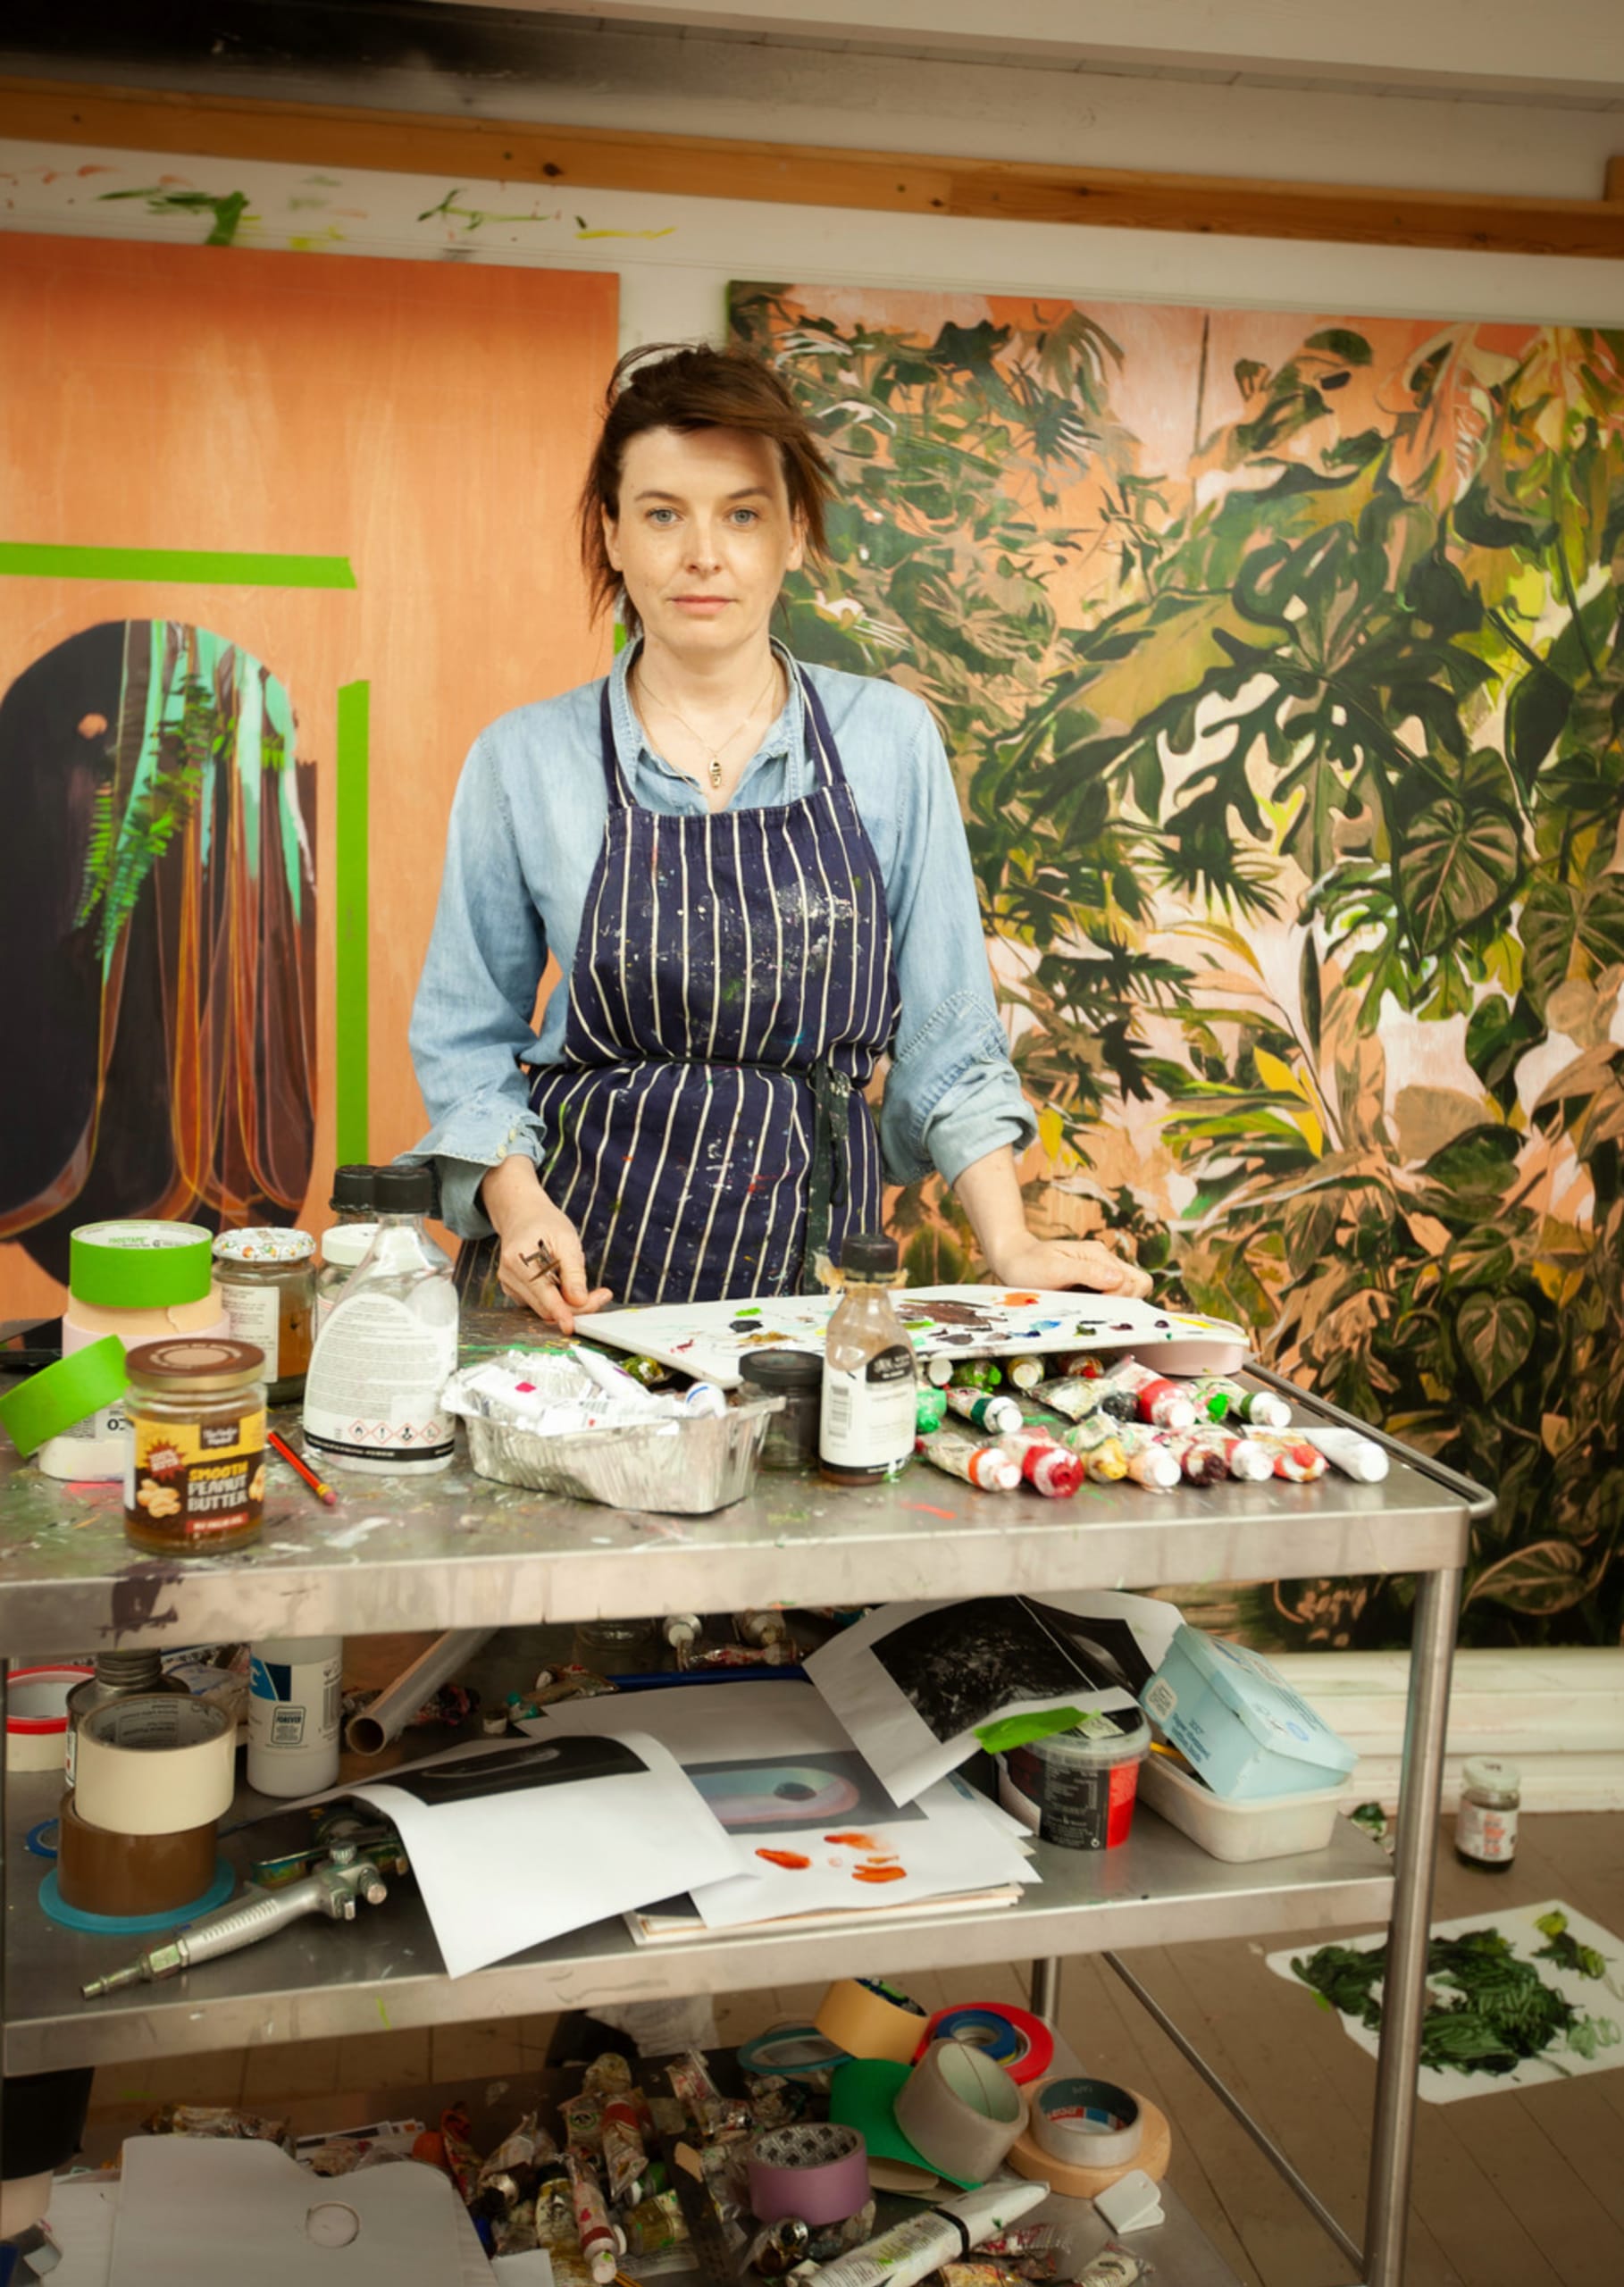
[200, 1365]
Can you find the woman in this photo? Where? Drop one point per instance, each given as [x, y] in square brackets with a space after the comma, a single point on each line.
[754, 875]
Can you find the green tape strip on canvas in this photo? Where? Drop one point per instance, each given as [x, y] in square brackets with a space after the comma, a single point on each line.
[352, 977]
[198, 567]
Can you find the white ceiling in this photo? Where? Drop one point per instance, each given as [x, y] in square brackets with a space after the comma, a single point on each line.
[1494, 50]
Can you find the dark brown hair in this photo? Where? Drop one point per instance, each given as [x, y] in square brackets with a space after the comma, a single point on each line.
[670, 385]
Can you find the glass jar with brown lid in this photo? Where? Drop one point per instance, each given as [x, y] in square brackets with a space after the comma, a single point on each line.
[196, 1410]
[267, 1282]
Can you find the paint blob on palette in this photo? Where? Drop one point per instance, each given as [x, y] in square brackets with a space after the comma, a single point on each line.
[712, 1340]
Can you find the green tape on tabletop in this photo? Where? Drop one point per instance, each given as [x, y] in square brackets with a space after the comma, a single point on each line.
[1020, 1731]
[53, 1401]
[193, 567]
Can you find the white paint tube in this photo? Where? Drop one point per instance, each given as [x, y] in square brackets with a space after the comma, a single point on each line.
[910, 2251]
[1355, 1456]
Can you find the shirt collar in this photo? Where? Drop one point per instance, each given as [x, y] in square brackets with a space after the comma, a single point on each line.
[785, 736]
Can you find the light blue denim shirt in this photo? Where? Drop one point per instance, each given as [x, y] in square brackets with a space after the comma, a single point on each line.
[526, 828]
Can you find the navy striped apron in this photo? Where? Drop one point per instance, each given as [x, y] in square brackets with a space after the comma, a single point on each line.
[732, 987]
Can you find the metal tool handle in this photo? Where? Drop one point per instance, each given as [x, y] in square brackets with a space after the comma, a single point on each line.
[243, 1925]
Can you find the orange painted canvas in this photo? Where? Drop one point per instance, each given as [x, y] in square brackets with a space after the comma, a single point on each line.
[172, 875]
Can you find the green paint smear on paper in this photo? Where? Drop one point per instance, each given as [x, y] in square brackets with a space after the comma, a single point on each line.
[474, 218]
[352, 981]
[195, 568]
[1020, 1731]
[228, 208]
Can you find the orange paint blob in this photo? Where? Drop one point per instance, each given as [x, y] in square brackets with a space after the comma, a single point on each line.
[1020, 1302]
[879, 1874]
[792, 1860]
[854, 1841]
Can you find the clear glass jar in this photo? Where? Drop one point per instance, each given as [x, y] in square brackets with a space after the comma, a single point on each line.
[196, 1475]
[1486, 1824]
[342, 1248]
[797, 1376]
[267, 1282]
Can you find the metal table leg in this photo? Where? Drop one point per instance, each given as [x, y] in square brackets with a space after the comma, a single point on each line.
[1393, 2136]
[1046, 1989]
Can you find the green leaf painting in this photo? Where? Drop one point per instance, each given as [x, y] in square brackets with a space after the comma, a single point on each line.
[1281, 664]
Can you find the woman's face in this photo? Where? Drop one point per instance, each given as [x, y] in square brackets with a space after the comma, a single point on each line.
[704, 537]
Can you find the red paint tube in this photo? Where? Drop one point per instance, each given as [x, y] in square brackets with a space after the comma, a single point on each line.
[1047, 1467]
[1200, 1456]
[1165, 1404]
[600, 2243]
[1294, 1458]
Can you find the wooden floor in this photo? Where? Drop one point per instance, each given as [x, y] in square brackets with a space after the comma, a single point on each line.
[1512, 2190]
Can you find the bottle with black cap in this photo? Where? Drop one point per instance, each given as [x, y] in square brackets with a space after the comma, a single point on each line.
[388, 1346]
[866, 1428]
[352, 1193]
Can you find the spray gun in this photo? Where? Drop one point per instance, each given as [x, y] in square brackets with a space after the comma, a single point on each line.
[348, 1872]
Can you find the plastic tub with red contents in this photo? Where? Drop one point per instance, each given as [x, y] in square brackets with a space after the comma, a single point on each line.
[1077, 1789]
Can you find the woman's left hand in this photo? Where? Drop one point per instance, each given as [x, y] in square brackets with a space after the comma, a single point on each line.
[1046, 1264]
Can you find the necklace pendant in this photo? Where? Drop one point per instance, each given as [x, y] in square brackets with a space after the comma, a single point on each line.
[715, 770]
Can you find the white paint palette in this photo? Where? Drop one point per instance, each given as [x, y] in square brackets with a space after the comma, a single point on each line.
[711, 1340]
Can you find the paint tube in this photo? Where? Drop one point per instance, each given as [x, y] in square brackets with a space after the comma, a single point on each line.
[976, 1374]
[995, 1415]
[601, 2243]
[1228, 1400]
[1047, 1467]
[1295, 1458]
[625, 2156]
[1199, 1455]
[1077, 1399]
[930, 1410]
[1097, 1442]
[1024, 1373]
[1361, 1458]
[1087, 1365]
[1165, 1404]
[939, 1371]
[698, 2094]
[985, 1467]
[1148, 1458]
[655, 2224]
[1249, 1463]
[910, 2251]
[582, 2118]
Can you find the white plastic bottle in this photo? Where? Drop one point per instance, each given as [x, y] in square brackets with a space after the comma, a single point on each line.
[294, 1695]
[389, 1346]
[866, 1429]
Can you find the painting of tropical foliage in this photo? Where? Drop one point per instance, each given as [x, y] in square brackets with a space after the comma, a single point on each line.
[1281, 664]
[157, 890]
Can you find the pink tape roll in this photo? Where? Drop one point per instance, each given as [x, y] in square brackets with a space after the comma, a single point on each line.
[813, 2169]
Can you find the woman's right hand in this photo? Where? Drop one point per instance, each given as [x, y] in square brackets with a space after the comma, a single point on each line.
[526, 1220]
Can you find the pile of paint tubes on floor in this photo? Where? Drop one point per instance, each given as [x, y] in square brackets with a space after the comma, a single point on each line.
[1122, 1421]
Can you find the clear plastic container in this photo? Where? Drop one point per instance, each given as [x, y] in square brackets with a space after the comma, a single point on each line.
[343, 1248]
[388, 1348]
[1074, 1790]
[796, 1376]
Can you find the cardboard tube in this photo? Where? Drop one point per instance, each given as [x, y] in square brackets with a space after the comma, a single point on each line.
[371, 1731]
[868, 2018]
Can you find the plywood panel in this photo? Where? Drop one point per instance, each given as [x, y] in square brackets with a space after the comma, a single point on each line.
[427, 422]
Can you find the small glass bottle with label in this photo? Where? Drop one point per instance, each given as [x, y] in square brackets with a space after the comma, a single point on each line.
[1486, 1824]
[267, 1283]
[866, 1426]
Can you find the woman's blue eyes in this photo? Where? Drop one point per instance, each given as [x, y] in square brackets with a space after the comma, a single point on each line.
[750, 515]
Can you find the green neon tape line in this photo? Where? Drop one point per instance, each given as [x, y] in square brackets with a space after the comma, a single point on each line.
[205, 567]
[1020, 1731]
[351, 980]
[51, 1402]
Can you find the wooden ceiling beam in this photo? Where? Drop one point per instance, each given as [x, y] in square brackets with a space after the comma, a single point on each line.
[797, 174]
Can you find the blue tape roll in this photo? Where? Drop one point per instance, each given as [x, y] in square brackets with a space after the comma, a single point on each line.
[793, 2052]
[135, 1925]
[981, 2028]
[36, 1843]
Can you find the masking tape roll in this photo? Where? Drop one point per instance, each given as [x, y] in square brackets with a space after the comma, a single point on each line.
[868, 2018]
[1090, 2123]
[1028, 2158]
[960, 2111]
[813, 2169]
[99, 1872]
[36, 1715]
[154, 1764]
[1013, 2038]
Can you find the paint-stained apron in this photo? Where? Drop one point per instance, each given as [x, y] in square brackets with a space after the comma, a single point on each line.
[732, 987]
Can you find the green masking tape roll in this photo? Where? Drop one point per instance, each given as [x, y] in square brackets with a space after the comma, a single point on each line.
[51, 1402]
[140, 1266]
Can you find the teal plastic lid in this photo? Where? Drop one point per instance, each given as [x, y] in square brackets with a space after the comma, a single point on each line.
[137, 1266]
[53, 1401]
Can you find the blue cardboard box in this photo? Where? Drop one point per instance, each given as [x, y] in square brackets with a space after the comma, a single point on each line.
[1239, 1724]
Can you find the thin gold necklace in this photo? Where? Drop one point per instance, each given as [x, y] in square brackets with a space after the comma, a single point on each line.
[716, 753]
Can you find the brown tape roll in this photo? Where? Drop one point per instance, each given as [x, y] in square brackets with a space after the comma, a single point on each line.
[100, 1872]
[1028, 2158]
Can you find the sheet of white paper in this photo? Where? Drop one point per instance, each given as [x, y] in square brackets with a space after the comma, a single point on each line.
[608, 1823]
[818, 1829]
[1599, 2001]
[918, 1686]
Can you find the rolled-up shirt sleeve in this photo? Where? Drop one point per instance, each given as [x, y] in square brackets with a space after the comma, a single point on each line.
[472, 1017]
[952, 1094]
